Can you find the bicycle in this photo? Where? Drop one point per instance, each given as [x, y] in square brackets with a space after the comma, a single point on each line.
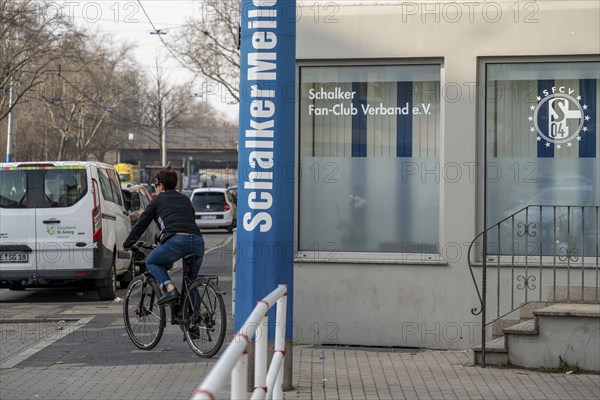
[200, 311]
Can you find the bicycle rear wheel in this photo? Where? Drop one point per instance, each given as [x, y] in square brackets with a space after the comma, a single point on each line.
[144, 320]
[206, 318]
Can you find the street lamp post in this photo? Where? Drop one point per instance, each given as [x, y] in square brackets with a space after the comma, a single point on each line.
[117, 152]
[111, 110]
[163, 139]
[9, 133]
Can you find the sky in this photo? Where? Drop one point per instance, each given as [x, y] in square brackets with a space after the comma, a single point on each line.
[128, 20]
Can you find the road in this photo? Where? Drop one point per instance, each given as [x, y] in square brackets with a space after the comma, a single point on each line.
[44, 327]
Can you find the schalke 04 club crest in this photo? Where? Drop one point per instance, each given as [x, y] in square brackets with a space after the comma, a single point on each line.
[558, 117]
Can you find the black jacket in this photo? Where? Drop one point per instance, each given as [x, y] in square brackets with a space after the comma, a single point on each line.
[173, 213]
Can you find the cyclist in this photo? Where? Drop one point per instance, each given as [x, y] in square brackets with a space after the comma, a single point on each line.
[179, 235]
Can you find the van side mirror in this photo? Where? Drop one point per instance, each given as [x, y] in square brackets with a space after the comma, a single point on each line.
[127, 198]
[134, 202]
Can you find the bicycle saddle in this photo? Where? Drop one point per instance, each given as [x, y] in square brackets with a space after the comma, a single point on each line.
[190, 258]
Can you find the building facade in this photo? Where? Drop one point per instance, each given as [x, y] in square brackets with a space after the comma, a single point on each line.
[419, 125]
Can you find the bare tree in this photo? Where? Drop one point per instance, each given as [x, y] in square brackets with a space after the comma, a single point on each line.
[29, 32]
[36, 136]
[165, 102]
[210, 44]
[203, 115]
[84, 94]
[78, 96]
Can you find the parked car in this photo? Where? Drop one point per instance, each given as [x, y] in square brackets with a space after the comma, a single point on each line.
[187, 193]
[214, 208]
[137, 199]
[233, 191]
[62, 223]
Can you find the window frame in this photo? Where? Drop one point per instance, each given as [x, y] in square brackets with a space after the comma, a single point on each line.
[481, 194]
[371, 257]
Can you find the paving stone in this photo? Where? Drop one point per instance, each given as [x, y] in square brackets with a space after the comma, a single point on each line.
[317, 374]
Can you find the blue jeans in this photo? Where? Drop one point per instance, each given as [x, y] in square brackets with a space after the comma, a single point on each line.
[176, 247]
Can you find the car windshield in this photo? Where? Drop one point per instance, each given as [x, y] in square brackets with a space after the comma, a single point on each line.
[42, 187]
[208, 201]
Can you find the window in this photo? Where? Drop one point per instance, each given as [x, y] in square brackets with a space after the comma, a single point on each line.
[65, 187]
[116, 187]
[542, 148]
[105, 185]
[369, 149]
[36, 187]
[109, 183]
[13, 188]
[208, 201]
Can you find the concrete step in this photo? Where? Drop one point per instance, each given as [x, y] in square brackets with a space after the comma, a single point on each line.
[570, 310]
[526, 310]
[568, 332]
[525, 327]
[500, 325]
[495, 352]
[497, 345]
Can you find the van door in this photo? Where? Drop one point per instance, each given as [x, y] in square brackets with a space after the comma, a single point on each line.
[17, 222]
[64, 219]
[123, 225]
[115, 220]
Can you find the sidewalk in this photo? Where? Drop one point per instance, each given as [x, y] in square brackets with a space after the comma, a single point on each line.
[425, 374]
[344, 373]
[80, 350]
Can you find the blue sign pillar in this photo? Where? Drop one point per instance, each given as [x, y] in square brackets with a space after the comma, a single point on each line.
[265, 229]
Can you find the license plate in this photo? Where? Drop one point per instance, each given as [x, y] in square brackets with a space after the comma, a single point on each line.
[208, 217]
[14, 257]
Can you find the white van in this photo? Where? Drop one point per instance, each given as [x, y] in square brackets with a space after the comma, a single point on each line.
[63, 222]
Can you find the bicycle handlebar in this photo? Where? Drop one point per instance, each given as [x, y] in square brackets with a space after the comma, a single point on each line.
[138, 246]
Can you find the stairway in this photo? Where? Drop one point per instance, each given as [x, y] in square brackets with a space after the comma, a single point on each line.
[546, 334]
[548, 253]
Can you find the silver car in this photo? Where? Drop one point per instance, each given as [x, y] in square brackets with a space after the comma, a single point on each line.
[215, 208]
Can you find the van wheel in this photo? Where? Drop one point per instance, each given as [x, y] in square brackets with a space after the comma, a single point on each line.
[108, 291]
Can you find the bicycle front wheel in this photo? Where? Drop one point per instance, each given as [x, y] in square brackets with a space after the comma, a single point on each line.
[206, 318]
[144, 319]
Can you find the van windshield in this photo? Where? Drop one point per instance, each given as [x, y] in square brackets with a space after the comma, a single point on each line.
[37, 187]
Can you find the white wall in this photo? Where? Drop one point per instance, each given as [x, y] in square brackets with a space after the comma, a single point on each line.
[425, 305]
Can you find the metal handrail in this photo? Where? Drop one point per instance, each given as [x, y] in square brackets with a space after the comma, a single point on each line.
[536, 227]
[234, 361]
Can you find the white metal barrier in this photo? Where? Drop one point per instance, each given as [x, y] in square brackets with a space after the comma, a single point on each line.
[234, 360]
